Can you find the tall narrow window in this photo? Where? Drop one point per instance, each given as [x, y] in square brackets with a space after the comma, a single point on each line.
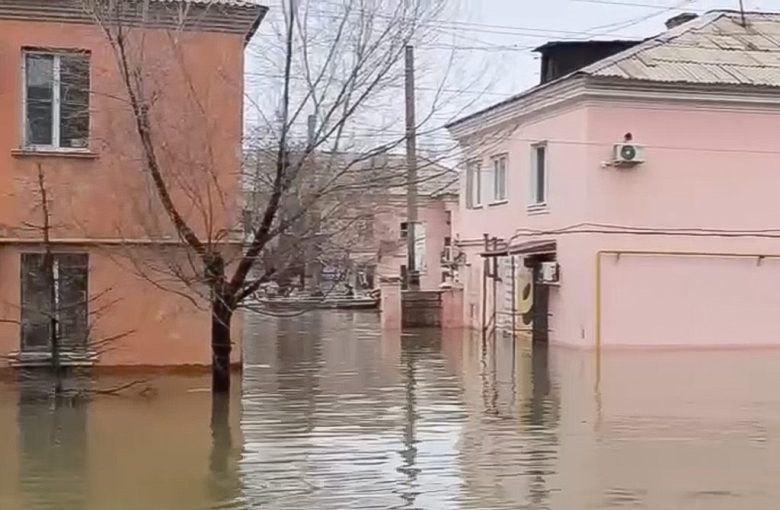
[56, 106]
[57, 290]
[499, 178]
[538, 174]
[474, 184]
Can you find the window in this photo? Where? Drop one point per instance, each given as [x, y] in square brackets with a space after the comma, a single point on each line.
[474, 184]
[499, 178]
[365, 229]
[56, 101]
[404, 230]
[539, 174]
[419, 247]
[59, 292]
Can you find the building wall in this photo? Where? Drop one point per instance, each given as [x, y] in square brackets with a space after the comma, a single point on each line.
[437, 215]
[197, 120]
[698, 174]
[564, 130]
[134, 322]
[196, 79]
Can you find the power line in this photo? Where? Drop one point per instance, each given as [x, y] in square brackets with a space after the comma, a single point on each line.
[589, 143]
[626, 3]
[501, 29]
[422, 88]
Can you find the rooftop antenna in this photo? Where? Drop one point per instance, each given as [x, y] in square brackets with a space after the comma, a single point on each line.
[742, 13]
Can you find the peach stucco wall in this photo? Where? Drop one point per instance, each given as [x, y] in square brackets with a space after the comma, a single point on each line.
[197, 114]
[707, 167]
[196, 79]
[153, 326]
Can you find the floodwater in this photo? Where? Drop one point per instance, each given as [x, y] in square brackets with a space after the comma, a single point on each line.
[335, 415]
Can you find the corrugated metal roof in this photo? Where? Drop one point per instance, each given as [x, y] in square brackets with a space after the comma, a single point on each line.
[232, 16]
[712, 49]
[231, 3]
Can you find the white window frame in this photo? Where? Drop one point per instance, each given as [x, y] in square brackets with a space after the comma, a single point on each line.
[534, 201]
[56, 102]
[474, 184]
[496, 165]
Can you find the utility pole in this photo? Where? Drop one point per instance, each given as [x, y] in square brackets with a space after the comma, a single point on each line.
[411, 173]
[312, 261]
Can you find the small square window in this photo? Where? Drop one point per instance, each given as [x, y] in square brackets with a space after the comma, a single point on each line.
[404, 229]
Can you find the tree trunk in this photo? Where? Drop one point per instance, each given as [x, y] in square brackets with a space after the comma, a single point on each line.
[221, 315]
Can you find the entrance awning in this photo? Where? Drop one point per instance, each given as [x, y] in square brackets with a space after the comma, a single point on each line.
[540, 247]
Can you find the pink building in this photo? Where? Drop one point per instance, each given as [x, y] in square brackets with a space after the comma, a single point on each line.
[648, 172]
[379, 242]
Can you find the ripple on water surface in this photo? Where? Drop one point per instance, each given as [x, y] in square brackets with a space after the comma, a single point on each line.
[336, 415]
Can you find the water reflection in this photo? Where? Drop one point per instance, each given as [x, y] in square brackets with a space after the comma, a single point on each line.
[224, 482]
[52, 447]
[372, 420]
[336, 415]
[165, 451]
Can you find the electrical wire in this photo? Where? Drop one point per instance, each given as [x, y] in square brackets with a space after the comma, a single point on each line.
[626, 230]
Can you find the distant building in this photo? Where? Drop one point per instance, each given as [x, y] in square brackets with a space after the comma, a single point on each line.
[630, 199]
[357, 231]
[65, 111]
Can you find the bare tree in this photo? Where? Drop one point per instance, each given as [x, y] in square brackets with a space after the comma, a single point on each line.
[56, 310]
[338, 60]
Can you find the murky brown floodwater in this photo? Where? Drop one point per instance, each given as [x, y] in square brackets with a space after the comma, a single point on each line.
[334, 416]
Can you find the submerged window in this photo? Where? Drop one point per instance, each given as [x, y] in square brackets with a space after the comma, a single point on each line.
[54, 290]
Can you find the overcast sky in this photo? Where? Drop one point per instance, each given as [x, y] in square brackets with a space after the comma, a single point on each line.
[492, 41]
[525, 23]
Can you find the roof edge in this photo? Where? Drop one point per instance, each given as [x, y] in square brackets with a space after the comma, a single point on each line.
[589, 70]
[262, 11]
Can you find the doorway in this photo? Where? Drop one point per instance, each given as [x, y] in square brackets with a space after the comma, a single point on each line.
[540, 327]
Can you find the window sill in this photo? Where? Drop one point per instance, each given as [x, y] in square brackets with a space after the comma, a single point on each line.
[54, 153]
[537, 209]
[475, 207]
[43, 359]
[498, 202]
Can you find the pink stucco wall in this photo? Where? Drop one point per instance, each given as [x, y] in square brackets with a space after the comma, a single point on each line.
[707, 167]
[566, 206]
[436, 214]
[700, 173]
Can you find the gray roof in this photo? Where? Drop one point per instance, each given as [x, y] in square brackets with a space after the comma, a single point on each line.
[231, 16]
[231, 3]
[712, 49]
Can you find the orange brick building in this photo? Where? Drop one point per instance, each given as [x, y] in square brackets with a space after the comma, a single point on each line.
[65, 118]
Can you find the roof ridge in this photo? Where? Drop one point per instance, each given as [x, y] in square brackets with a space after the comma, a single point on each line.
[653, 42]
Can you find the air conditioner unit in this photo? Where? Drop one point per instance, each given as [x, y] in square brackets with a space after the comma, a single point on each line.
[628, 154]
[549, 272]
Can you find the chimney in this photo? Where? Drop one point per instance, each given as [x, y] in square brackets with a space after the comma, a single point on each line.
[560, 58]
[678, 20]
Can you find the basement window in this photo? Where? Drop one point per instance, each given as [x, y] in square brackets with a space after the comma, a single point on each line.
[56, 100]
